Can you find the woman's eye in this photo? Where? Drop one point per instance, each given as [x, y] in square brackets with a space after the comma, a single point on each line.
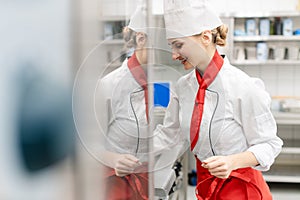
[178, 46]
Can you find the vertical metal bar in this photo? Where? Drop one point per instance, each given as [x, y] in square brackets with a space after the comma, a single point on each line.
[151, 59]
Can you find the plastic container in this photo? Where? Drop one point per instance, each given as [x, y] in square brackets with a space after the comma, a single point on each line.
[261, 51]
[250, 27]
[278, 26]
[264, 27]
[279, 52]
[287, 27]
[293, 52]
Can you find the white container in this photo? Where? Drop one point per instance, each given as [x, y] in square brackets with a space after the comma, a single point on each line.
[250, 27]
[261, 51]
[287, 27]
[279, 52]
[293, 52]
[239, 53]
[264, 27]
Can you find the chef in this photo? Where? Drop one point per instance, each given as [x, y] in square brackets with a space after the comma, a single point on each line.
[224, 113]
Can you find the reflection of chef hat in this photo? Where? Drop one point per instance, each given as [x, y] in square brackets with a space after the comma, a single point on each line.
[138, 20]
[189, 17]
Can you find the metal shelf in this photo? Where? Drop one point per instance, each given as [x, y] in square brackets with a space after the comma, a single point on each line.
[286, 118]
[290, 150]
[263, 14]
[257, 38]
[283, 173]
[114, 18]
[268, 62]
[112, 41]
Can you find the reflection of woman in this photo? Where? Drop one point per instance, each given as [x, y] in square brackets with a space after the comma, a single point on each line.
[123, 115]
[226, 113]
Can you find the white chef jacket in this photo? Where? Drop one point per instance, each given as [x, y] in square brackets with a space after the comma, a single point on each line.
[121, 113]
[236, 116]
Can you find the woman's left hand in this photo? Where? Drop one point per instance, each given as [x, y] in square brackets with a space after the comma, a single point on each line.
[219, 166]
[222, 166]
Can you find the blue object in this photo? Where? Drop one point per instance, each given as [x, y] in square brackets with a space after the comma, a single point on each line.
[297, 32]
[192, 178]
[239, 33]
[161, 94]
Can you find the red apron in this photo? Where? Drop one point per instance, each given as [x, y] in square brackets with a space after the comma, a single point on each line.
[242, 184]
[130, 187]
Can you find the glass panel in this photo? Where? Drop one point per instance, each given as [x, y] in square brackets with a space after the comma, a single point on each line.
[126, 83]
[121, 101]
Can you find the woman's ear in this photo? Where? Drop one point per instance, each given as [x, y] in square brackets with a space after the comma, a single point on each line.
[141, 39]
[206, 37]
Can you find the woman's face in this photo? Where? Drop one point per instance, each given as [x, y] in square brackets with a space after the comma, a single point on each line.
[189, 50]
[141, 48]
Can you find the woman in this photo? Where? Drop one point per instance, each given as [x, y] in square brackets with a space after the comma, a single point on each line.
[226, 112]
[121, 106]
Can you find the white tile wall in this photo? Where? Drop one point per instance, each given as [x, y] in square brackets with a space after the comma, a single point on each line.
[279, 80]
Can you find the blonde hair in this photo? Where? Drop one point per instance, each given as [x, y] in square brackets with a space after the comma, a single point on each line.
[129, 37]
[220, 35]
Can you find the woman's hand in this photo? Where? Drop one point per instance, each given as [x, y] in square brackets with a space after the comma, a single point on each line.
[219, 166]
[125, 164]
[222, 166]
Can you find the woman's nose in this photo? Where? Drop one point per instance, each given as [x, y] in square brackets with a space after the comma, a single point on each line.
[175, 55]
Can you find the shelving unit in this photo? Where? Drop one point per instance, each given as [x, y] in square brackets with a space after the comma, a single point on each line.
[287, 166]
[258, 38]
[113, 16]
[247, 42]
[265, 63]
[111, 39]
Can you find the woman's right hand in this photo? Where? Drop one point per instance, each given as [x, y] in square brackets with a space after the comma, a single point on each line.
[125, 164]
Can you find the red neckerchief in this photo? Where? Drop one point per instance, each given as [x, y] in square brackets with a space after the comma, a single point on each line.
[139, 75]
[209, 75]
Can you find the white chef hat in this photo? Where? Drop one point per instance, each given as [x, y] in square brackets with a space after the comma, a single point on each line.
[138, 19]
[189, 17]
